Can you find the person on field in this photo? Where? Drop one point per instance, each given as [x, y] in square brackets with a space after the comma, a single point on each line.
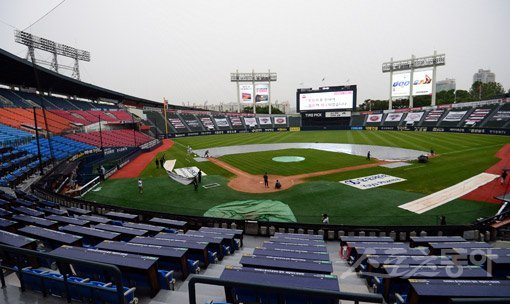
[266, 180]
[162, 161]
[140, 185]
[442, 220]
[325, 219]
[504, 174]
[157, 163]
[206, 154]
[368, 155]
[195, 183]
[277, 185]
[199, 174]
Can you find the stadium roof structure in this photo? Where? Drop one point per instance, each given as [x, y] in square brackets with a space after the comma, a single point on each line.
[16, 71]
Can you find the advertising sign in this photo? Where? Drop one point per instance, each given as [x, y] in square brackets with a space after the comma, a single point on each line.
[250, 121]
[454, 115]
[401, 85]
[246, 91]
[374, 118]
[394, 117]
[221, 122]
[414, 116]
[280, 120]
[265, 120]
[261, 93]
[422, 83]
[372, 181]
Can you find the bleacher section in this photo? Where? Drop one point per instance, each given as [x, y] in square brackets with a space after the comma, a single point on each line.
[454, 117]
[500, 118]
[62, 147]
[432, 118]
[13, 137]
[478, 116]
[192, 122]
[151, 256]
[236, 122]
[112, 138]
[207, 122]
[176, 123]
[24, 119]
[358, 120]
[19, 99]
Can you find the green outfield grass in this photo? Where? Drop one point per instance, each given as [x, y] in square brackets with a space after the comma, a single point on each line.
[315, 161]
[460, 157]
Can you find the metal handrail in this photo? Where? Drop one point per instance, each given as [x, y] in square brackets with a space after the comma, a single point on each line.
[111, 269]
[348, 296]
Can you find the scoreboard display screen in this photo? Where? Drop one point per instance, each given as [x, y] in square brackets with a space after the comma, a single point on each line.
[326, 99]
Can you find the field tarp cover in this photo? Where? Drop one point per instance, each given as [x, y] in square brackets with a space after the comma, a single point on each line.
[262, 210]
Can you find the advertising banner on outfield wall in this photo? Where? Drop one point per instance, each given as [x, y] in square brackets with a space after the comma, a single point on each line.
[250, 121]
[394, 117]
[454, 115]
[422, 83]
[221, 122]
[265, 120]
[413, 116]
[280, 120]
[246, 91]
[374, 118]
[261, 93]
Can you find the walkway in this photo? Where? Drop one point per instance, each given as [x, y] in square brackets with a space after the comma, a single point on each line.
[136, 166]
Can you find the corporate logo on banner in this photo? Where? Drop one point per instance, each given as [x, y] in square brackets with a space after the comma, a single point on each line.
[221, 122]
[374, 118]
[246, 91]
[250, 121]
[394, 116]
[372, 181]
[282, 120]
[414, 116]
[265, 120]
[422, 83]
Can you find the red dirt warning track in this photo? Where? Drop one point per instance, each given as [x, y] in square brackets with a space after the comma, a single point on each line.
[135, 167]
[249, 183]
[487, 192]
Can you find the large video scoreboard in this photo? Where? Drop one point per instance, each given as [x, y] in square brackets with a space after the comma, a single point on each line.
[326, 107]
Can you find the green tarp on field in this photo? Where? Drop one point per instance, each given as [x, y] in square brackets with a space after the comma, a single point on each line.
[261, 210]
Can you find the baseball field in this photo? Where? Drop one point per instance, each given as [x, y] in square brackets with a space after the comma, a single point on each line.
[458, 157]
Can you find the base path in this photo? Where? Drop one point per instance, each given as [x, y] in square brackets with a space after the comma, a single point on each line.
[249, 183]
[136, 166]
[487, 192]
[444, 196]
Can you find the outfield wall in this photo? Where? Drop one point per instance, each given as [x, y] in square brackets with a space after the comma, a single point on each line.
[488, 131]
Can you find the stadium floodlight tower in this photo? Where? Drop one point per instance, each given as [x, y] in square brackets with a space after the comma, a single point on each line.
[415, 82]
[253, 88]
[34, 42]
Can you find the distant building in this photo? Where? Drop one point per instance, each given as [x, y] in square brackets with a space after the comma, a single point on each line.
[445, 85]
[484, 76]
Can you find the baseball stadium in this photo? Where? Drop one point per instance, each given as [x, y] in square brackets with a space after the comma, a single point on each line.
[106, 197]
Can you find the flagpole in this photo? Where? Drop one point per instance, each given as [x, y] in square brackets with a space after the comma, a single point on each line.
[165, 106]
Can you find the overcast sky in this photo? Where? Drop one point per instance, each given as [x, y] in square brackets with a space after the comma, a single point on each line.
[186, 50]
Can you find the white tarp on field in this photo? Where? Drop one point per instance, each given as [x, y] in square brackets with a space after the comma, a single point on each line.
[372, 181]
[181, 175]
[444, 196]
